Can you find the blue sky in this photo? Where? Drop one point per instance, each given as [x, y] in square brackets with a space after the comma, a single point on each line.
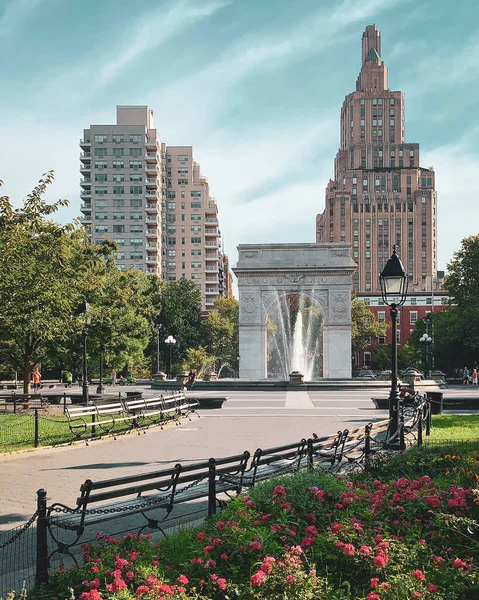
[256, 86]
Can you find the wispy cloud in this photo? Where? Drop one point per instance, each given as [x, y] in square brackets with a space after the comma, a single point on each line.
[252, 54]
[15, 12]
[150, 31]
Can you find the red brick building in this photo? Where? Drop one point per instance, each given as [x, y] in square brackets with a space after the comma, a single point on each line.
[417, 306]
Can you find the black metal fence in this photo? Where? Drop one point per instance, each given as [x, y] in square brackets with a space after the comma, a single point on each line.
[29, 552]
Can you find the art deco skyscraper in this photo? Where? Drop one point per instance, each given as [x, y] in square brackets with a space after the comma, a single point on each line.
[380, 196]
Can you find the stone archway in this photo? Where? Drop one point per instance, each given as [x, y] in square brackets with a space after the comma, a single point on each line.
[320, 271]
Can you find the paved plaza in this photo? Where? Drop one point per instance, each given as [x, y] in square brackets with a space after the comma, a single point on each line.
[248, 420]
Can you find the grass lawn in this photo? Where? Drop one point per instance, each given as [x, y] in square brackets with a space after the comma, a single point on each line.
[454, 427]
[17, 431]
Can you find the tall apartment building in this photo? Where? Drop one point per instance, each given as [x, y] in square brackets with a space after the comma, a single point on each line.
[380, 195]
[152, 200]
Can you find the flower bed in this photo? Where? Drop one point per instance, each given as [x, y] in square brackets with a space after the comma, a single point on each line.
[309, 536]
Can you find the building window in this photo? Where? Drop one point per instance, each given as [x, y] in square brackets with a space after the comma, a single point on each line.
[101, 191]
[101, 151]
[118, 229]
[182, 181]
[118, 216]
[182, 157]
[135, 151]
[136, 229]
[196, 240]
[136, 189]
[136, 139]
[118, 190]
[118, 139]
[101, 229]
[381, 316]
[136, 216]
[100, 139]
[367, 359]
[413, 317]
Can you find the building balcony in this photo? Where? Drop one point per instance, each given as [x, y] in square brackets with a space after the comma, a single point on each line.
[86, 206]
[212, 290]
[85, 169]
[212, 257]
[211, 279]
[150, 260]
[152, 168]
[211, 269]
[85, 143]
[151, 143]
[151, 233]
[152, 207]
[151, 156]
[86, 219]
[85, 156]
[85, 194]
[85, 182]
[209, 244]
[150, 194]
[152, 182]
[211, 220]
[151, 219]
[211, 232]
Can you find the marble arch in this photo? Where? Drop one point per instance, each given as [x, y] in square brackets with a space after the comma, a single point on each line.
[320, 271]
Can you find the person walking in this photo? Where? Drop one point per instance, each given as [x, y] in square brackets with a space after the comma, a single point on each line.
[113, 378]
[465, 376]
[69, 379]
[36, 378]
[474, 376]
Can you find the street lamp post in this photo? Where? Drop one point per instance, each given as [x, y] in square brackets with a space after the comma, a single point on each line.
[393, 281]
[83, 310]
[157, 348]
[426, 340]
[170, 342]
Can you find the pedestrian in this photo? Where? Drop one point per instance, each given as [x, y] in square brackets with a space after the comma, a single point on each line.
[69, 379]
[113, 378]
[474, 377]
[36, 377]
[465, 376]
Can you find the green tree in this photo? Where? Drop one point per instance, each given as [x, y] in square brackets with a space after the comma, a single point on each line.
[178, 313]
[364, 326]
[222, 329]
[462, 281]
[198, 360]
[41, 263]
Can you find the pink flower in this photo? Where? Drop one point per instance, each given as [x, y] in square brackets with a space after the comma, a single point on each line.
[459, 564]
[94, 584]
[348, 549]
[279, 491]
[256, 546]
[95, 569]
[417, 595]
[183, 579]
[142, 589]
[290, 579]
[373, 596]
[155, 563]
[336, 527]
[257, 579]
[129, 575]
[200, 536]
[374, 582]
[433, 501]
[221, 583]
[419, 575]
[365, 550]
[224, 556]
[379, 561]
[91, 595]
[432, 588]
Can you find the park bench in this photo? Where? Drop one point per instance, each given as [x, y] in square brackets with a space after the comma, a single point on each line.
[279, 460]
[105, 500]
[159, 409]
[15, 400]
[83, 419]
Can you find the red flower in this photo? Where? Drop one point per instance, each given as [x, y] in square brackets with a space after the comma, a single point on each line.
[224, 556]
[91, 595]
[336, 527]
[290, 579]
[182, 579]
[257, 579]
[348, 549]
[419, 575]
[432, 588]
[129, 575]
[433, 501]
[279, 491]
[365, 550]
[200, 536]
[417, 595]
[142, 589]
[373, 596]
[374, 582]
[459, 564]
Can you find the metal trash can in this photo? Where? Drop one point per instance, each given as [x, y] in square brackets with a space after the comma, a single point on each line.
[436, 399]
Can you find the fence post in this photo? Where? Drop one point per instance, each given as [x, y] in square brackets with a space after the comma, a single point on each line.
[402, 441]
[310, 455]
[64, 402]
[419, 431]
[367, 446]
[36, 438]
[428, 418]
[212, 487]
[41, 572]
[93, 427]
[14, 394]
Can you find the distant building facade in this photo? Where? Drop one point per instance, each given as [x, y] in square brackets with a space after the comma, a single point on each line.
[380, 195]
[153, 201]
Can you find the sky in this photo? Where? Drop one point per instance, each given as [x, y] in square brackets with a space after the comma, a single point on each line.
[255, 86]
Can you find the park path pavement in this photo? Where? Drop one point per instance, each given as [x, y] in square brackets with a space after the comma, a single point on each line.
[246, 422]
[217, 433]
